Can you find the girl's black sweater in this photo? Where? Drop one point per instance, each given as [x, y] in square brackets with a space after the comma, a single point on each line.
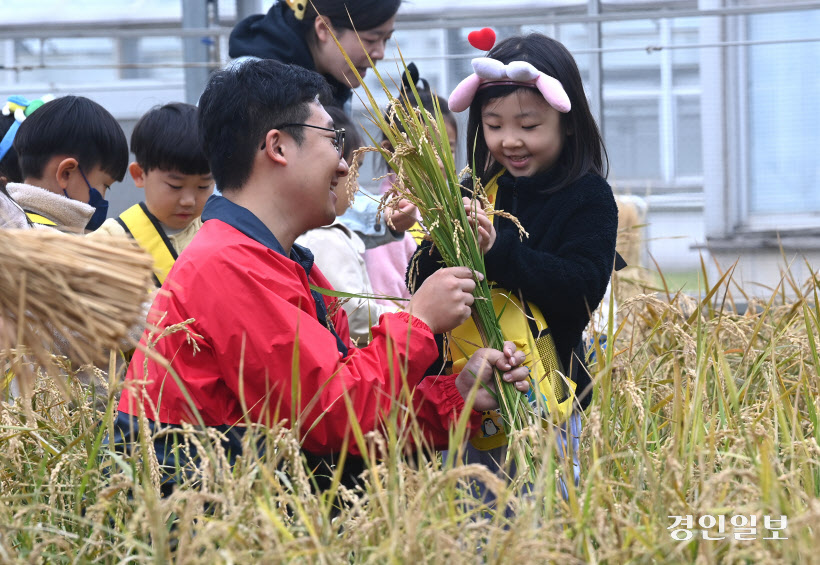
[564, 265]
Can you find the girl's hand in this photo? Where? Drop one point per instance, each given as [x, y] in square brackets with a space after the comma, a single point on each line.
[403, 217]
[478, 219]
[480, 367]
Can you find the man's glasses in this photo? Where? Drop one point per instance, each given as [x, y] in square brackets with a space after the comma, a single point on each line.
[338, 141]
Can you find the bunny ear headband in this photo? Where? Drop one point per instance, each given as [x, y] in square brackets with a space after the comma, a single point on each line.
[492, 72]
[21, 109]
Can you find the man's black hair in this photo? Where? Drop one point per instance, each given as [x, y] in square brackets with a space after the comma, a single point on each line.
[242, 104]
[76, 127]
[167, 138]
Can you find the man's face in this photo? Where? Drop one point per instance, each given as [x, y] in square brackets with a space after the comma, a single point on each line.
[318, 170]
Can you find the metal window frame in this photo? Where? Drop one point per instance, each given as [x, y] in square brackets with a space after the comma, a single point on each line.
[727, 201]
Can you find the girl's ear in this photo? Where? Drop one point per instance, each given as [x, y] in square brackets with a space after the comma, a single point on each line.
[386, 145]
[322, 29]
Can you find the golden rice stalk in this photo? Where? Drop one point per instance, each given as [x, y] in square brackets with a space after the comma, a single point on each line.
[65, 294]
[422, 161]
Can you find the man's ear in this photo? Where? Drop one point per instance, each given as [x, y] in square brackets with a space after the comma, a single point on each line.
[65, 169]
[277, 146]
[138, 174]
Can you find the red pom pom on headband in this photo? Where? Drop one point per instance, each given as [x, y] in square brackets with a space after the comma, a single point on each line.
[490, 72]
[483, 39]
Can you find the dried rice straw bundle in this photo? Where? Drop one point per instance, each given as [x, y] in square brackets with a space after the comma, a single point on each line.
[56, 287]
[423, 162]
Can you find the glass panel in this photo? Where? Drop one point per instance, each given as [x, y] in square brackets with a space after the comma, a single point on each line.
[685, 62]
[61, 51]
[688, 156]
[783, 114]
[161, 50]
[632, 138]
[630, 69]
[631, 104]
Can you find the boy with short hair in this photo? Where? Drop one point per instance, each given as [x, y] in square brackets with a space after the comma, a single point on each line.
[70, 151]
[172, 169]
[263, 343]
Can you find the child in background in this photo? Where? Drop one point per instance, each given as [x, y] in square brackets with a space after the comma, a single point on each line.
[387, 264]
[70, 151]
[340, 253]
[172, 169]
[541, 158]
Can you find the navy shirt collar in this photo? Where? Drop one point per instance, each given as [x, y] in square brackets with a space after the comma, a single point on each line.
[240, 218]
[243, 220]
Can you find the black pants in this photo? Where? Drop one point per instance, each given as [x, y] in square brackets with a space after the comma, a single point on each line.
[174, 462]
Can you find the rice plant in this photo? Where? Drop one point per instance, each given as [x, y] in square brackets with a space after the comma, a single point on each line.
[702, 409]
[425, 174]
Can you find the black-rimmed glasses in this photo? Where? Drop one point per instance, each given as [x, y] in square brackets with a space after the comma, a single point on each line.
[338, 141]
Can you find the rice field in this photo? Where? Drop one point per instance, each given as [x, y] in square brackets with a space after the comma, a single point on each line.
[704, 408]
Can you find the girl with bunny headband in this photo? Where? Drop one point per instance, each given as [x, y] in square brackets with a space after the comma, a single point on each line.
[539, 156]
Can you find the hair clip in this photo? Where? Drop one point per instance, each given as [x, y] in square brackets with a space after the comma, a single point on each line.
[298, 7]
[491, 72]
[21, 108]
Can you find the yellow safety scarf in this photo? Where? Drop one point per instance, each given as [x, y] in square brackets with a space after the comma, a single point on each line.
[144, 227]
[525, 326]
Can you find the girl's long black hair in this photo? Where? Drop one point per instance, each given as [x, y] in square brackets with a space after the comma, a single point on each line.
[583, 149]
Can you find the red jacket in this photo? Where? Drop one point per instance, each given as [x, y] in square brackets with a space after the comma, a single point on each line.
[255, 331]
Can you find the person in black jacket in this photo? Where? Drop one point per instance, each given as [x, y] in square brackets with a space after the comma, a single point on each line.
[298, 32]
[538, 150]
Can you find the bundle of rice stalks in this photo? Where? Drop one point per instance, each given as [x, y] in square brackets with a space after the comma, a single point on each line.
[423, 163]
[75, 292]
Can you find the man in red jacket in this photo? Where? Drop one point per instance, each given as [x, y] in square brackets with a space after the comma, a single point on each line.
[257, 324]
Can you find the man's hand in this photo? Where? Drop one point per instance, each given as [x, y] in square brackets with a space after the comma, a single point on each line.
[443, 301]
[478, 218]
[402, 218]
[480, 366]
